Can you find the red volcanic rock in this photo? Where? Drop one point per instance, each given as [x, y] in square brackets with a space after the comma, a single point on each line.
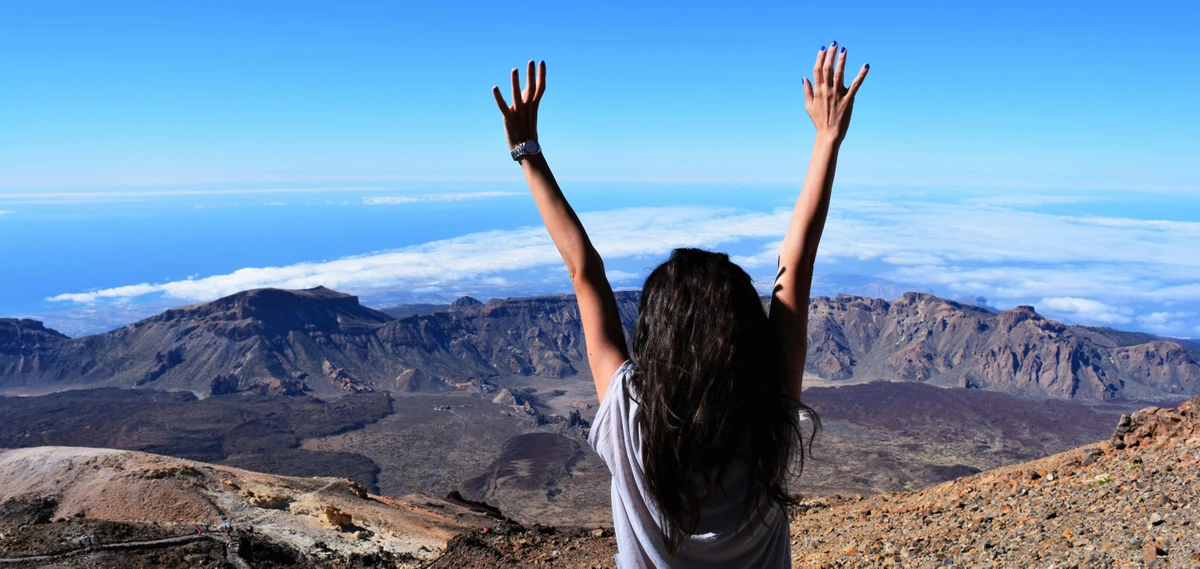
[1155, 423]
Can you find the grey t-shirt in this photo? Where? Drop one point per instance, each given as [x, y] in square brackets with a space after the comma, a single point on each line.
[761, 540]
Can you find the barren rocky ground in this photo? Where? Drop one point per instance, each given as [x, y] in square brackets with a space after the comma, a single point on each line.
[53, 499]
[1128, 502]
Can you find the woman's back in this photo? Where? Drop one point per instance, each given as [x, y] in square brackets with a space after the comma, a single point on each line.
[700, 435]
[727, 533]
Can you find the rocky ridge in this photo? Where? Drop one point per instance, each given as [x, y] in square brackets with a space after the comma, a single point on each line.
[314, 341]
[1129, 502]
[928, 339]
[314, 522]
[325, 343]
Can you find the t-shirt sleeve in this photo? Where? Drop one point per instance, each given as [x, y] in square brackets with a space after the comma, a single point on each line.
[606, 434]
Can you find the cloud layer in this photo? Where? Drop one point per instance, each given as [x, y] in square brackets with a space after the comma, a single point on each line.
[617, 234]
[456, 197]
[1086, 269]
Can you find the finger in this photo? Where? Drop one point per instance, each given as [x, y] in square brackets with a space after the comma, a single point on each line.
[500, 101]
[541, 82]
[808, 91]
[819, 67]
[839, 74]
[862, 74]
[827, 67]
[516, 89]
[530, 87]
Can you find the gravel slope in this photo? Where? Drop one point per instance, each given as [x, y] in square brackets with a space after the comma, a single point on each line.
[1128, 502]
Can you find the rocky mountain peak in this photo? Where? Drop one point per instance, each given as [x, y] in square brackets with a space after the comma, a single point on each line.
[465, 303]
[277, 310]
[23, 335]
[286, 337]
[912, 297]
[1010, 319]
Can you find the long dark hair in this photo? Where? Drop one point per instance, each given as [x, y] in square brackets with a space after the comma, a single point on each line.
[710, 383]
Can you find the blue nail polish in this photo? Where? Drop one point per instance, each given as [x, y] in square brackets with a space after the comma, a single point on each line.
[866, 66]
[822, 48]
[843, 50]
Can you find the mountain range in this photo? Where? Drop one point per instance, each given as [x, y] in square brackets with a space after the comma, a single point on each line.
[489, 404]
[324, 343]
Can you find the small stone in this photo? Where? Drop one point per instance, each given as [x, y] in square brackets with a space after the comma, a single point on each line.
[1151, 552]
[1156, 519]
[337, 518]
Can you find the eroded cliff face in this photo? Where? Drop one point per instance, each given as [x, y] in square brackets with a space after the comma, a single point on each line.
[325, 343]
[311, 341]
[925, 338]
[27, 347]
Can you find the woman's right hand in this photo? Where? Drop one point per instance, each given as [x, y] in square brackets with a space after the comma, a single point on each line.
[828, 101]
[520, 119]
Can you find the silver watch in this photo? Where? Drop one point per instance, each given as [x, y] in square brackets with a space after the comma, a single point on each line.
[527, 148]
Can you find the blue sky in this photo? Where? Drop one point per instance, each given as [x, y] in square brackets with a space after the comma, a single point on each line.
[146, 143]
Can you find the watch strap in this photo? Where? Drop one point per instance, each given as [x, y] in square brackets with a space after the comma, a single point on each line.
[527, 148]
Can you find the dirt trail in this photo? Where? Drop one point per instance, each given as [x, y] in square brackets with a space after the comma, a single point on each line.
[151, 543]
[453, 446]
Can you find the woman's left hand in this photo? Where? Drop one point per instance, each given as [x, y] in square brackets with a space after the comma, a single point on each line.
[520, 120]
[826, 98]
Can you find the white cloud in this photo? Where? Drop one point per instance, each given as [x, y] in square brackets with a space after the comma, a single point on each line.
[622, 233]
[397, 200]
[621, 276]
[1093, 269]
[1168, 323]
[767, 257]
[4, 212]
[963, 232]
[276, 204]
[912, 258]
[1085, 310]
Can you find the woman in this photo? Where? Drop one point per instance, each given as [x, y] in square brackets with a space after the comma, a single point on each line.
[698, 428]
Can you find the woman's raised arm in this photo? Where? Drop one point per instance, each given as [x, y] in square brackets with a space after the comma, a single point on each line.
[606, 348]
[829, 104]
